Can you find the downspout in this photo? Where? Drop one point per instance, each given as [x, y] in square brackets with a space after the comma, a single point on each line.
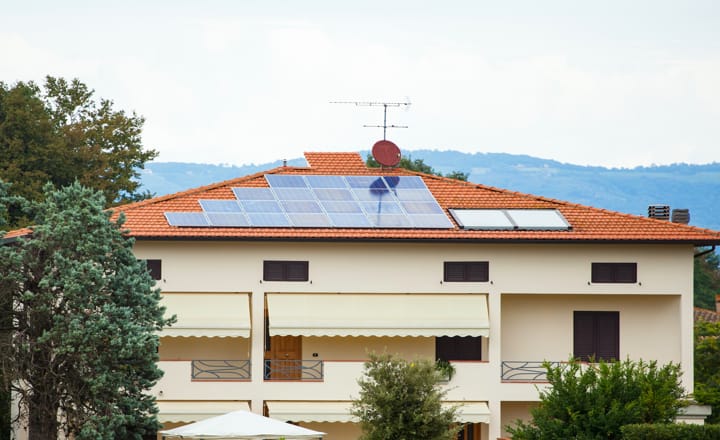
[705, 252]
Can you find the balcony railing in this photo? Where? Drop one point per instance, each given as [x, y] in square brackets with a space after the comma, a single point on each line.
[221, 370]
[525, 371]
[283, 369]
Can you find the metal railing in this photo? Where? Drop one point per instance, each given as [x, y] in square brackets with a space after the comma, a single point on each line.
[221, 370]
[284, 369]
[524, 371]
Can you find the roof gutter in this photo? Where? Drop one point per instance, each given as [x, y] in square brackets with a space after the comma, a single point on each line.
[705, 252]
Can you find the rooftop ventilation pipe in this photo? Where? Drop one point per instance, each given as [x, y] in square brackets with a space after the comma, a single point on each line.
[660, 212]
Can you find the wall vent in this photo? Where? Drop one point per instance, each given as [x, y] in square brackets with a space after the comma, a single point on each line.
[660, 212]
[680, 216]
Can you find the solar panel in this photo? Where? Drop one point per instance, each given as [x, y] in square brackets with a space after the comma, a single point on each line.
[326, 201]
[231, 219]
[500, 219]
[326, 181]
[269, 219]
[333, 194]
[186, 219]
[309, 220]
[438, 221]
[309, 206]
[342, 220]
[285, 181]
[544, 219]
[220, 206]
[342, 207]
[253, 194]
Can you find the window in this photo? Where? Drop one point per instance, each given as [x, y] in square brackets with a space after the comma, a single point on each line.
[469, 431]
[596, 335]
[155, 268]
[285, 271]
[614, 273]
[466, 271]
[458, 348]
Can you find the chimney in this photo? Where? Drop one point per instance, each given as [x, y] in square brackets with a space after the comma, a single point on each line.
[660, 212]
[680, 216]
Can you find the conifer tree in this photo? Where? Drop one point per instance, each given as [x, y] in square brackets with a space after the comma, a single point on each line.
[84, 316]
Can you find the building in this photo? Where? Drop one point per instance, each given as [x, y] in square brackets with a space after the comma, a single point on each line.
[283, 281]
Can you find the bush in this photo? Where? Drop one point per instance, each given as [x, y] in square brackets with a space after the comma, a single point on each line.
[670, 432]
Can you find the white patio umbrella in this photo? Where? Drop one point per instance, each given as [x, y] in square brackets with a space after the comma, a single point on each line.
[241, 425]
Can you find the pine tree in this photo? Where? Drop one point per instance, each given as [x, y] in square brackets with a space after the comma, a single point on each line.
[84, 320]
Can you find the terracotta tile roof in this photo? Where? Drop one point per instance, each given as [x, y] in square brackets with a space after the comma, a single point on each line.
[706, 315]
[146, 219]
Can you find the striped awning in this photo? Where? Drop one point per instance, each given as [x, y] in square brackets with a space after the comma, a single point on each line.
[339, 411]
[311, 411]
[295, 314]
[193, 411]
[213, 315]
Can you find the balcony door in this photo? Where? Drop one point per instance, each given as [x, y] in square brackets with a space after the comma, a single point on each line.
[284, 358]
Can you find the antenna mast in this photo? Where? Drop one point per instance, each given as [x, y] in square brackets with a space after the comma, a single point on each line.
[385, 106]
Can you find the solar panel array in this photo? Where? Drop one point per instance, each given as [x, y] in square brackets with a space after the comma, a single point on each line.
[321, 201]
[511, 219]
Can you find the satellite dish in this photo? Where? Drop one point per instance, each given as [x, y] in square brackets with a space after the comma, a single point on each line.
[386, 153]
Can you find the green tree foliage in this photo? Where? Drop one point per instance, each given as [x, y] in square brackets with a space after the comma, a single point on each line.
[707, 367]
[706, 281]
[401, 400]
[418, 165]
[59, 133]
[593, 401]
[84, 320]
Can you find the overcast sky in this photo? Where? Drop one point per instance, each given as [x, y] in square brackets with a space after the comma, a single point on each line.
[615, 83]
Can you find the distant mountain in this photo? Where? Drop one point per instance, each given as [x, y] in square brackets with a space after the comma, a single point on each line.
[630, 190]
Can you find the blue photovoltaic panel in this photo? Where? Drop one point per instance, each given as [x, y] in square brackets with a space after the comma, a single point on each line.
[269, 219]
[430, 221]
[381, 207]
[309, 220]
[339, 201]
[294, 194]
[220, 206]
[342, 207]
[414, 195]
[227, 219]
[253, 194]
[389, 220]
[261, 206]
[333, 194]
[422, 208]
[365, 194]
[186, 219]
[367, 182]
[285, 181]
[326, 181]
[307, 206]
[342, 220]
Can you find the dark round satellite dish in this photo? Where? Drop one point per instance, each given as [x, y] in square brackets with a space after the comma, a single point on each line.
[386, 153]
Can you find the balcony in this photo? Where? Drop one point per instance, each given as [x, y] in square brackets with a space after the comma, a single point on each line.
[220, 370]
[525, 371]
[283, 369]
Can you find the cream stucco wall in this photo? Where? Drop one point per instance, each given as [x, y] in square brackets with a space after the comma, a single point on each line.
[540, 327]
[532, 291]
[514, 411]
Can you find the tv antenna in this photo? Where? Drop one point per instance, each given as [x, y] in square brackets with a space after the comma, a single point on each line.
[385, 106]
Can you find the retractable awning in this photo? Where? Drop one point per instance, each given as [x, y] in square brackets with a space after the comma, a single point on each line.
[321, 411]
[472, 412]
[213, 315]
[308, 411]
[193, 411]
[296, 314]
